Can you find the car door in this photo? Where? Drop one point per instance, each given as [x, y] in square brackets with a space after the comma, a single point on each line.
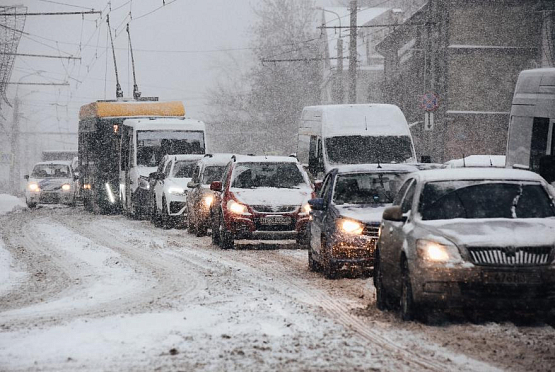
[193, 197]
[319, 217]
[391, 239]
[159, 186]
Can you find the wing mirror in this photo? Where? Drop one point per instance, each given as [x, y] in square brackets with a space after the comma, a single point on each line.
[394, 214]
[216, 186]
[316, 204]
[26, 176]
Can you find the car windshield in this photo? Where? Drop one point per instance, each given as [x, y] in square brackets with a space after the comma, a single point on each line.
[184, 169]
[368, 149]
[50, 171]
[212, 173]
[482, 199]
[153, 145]
[279, 175]
[366, 188]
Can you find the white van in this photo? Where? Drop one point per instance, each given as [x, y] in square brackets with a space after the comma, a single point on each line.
[144, 143]
[331, 135]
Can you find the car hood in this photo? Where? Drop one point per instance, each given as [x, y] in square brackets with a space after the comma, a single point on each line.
[51, 184]
[272, 196]
[494, 232]
[364, 213]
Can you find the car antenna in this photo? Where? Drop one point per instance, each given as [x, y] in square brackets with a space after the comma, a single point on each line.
[379, 165]
[365, 123]
[464, 162]
[136, 93]
[490, 162]
[119, 92]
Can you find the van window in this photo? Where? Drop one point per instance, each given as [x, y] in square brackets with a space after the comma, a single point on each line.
[540, 142]
[368, 149]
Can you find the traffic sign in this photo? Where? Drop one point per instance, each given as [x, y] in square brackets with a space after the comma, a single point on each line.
[430, 102]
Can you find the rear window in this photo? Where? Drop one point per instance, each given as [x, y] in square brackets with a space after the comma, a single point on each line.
[212, 173]
[279, 175]
[479, 199]
[366, 188]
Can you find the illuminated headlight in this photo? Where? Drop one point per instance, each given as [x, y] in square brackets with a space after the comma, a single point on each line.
[66, 187]
[143, 183]
[176, 191]
[305, 209]
[351, 226]
[432, 251]
[208, 200]
[236, 208]
[87, 186]
[33, 186]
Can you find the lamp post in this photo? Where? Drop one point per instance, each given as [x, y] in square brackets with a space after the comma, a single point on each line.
[339, 75]
[15, 181]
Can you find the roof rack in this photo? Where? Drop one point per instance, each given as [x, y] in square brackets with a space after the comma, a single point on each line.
[208, 155]
[234, 158]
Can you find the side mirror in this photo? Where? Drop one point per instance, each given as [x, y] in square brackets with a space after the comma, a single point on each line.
[547, 168]
[393, 214]
[153, 175]
[75, 176]
[192, 184]
[316, 204]
[161, 176]
[216, 186]
[318, 185]
[26, 176]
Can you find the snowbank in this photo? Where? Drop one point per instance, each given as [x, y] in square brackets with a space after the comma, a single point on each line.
[8, 276]
[9, 203]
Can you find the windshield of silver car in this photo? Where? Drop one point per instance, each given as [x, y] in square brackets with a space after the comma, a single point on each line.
[478, 199]
[366, 188]
[50, 171]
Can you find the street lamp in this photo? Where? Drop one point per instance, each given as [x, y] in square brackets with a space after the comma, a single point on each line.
[339, 83]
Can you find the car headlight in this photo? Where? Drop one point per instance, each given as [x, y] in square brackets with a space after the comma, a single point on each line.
[305, 209]
[143, 183]
[176, 191]
[236, 208]
[33, 186]
[432, 251]
[208, 200]
[66, 187]
[350, 226]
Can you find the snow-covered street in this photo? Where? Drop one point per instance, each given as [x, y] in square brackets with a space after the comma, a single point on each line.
[86, 292]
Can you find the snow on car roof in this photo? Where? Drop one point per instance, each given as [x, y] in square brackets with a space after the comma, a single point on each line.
[477, 161]
[65, 162]
[491, 173]
[361, 168]
[216, 159]
[265, 159]
[187, 156]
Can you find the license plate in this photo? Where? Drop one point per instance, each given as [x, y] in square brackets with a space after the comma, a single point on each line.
[275, 220]
[501, 277]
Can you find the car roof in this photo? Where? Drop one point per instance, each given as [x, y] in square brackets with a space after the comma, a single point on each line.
[491, 173]
[265, 159]
[216, 159]
[55, 162]
[375, 168]
[185, 157]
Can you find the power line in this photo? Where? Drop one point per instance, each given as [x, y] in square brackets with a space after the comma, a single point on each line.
[39, 55]
[74, 6]
[53, 13]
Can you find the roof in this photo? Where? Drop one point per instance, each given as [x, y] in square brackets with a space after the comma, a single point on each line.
[65, 162]
[477, 174]
[356, 119]
[165, 124]
[478, 161]
[102, 109]
[265, 159]
[185, 157]
[373, 168]
[216, 159]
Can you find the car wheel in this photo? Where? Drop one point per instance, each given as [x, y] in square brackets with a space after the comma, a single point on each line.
[215, 231]
[201, 230]
[407, 305]
[302, 239]
[330, 272]
[167, 220]
[226, 238]
[191, 224]
[381, 294]
[312, 265]
[31, 205]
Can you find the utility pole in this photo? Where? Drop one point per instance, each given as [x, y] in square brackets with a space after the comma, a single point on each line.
[340, 94]
[14, 140]
[353, 54]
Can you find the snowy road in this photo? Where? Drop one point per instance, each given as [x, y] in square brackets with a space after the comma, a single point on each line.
[85, 292]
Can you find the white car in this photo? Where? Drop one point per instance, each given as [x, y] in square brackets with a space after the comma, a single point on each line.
[169, 189]
[51, 182]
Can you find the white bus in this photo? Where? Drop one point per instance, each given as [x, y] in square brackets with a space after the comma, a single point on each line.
[531, 142]
[331, 135]
[144, 142]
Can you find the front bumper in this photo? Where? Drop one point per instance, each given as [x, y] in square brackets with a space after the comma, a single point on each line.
[251, 227]
[50, 197]
[352, 250]
[485, 287]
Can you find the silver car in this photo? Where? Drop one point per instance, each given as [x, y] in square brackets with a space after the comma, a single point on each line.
[51, 182]
[468, 238]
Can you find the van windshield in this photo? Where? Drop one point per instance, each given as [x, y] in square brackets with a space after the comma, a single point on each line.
[368, 149]
[153, 145]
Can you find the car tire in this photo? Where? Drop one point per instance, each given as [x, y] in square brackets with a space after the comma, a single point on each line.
[191, 228]
[406, 303]
[201, 230]
[215, 232]
[226, 238]
[330, 272]
[312, 265]
[302, 240]
[31, 205]
[167, 220]
[382, 300]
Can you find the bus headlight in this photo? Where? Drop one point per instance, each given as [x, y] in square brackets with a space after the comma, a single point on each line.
[66, 187]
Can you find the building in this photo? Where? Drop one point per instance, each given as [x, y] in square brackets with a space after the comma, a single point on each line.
[468, 54]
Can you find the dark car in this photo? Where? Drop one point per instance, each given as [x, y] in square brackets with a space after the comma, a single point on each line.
[261, 197]
[346, 216]
[467, 238]
[200, 198]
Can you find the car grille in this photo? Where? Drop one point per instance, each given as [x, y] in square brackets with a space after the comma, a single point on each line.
[372, 230]
[510, 256]
[49, 197]
[275, 208]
